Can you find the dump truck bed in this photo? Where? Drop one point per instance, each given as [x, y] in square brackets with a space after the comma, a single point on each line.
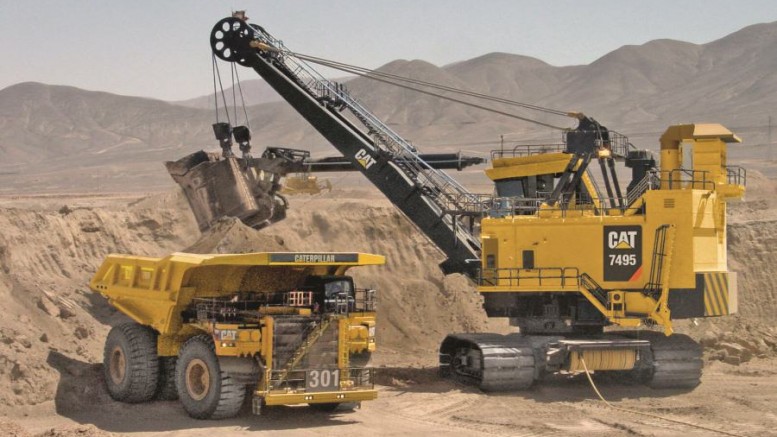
[152, 290]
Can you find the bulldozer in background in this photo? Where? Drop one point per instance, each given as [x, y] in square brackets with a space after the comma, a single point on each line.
[288, 328]
[304, 183]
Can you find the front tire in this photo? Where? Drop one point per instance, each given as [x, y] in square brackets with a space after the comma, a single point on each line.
[204, 390]
[130, 363]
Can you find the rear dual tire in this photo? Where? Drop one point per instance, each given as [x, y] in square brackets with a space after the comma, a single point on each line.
[204, 390]
[130, 363]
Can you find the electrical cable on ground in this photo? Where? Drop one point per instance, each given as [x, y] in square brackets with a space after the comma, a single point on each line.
[642, 413]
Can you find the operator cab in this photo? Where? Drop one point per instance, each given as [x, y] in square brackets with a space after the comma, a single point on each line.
[332, 293]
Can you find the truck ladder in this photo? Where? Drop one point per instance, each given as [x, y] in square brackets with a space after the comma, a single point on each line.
[303, 349]
[428, 197]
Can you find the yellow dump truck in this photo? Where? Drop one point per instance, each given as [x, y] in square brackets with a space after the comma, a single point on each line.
[288, 328]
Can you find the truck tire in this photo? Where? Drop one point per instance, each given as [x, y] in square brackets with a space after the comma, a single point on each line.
[130, 363]
[204, 390]
[166, 388]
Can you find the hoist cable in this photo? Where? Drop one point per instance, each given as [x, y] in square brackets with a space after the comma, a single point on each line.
[234, 92]
[452, 99]
[223, 96]
[242, 100]
[215, 89]
[369, 73]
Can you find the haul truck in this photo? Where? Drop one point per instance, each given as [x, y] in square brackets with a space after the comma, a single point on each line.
[286, 328]
[549, 249]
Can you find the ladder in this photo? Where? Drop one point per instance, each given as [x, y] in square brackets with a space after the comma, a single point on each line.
[658, 283]
[591, 286]
[303, 348]
[647, 183]
[430, 198]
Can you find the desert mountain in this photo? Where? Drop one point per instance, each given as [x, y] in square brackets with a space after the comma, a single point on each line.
[255, 92]
[56, 138]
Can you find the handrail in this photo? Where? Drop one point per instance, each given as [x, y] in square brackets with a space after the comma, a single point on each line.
[566, 276]
[676, 177]
[618, 143]
[649, 182]
[593, 287]
[736, 175]
[520, 150]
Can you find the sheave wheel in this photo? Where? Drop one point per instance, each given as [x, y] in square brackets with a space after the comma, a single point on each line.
[130, 363]
[204, 390]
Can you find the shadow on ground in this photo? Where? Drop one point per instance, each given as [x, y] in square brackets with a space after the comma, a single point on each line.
[551, 388]
[81, 396]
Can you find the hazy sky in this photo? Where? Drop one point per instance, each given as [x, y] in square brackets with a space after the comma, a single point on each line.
[160, 48]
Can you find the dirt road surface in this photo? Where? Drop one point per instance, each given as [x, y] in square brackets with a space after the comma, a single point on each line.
[740, 400]
[52, 330]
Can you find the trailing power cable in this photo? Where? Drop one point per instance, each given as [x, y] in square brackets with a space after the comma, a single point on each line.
[642, 413]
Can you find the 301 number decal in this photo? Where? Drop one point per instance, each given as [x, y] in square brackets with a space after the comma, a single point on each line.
[323, 379]
[623, 260]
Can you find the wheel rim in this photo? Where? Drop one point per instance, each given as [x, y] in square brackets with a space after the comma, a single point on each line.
[197, 379]
[117, 365]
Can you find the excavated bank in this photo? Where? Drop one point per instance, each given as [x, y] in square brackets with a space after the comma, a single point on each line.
[53, 328]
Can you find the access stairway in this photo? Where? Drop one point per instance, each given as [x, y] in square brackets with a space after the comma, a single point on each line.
[431, 199]
[305, 346]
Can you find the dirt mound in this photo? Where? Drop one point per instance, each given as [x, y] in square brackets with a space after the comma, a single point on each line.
[47, 256]
[741, 343]
[230, 235]
[54, 327]
[13, 429]
[752, 237]
[418, 305]
[751, 252]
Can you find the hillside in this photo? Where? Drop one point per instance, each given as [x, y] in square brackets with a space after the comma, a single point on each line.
[255, 92]
[63, 139]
